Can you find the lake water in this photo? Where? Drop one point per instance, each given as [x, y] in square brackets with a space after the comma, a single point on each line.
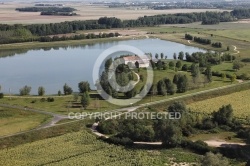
[53, 67]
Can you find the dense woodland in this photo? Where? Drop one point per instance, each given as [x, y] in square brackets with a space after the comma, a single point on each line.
[176, 133]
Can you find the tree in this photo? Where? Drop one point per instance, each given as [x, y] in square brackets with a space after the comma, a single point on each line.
[223, 76]
[141, 77]
[165, 66]
[156, 56]
[161, 88]
[184, 67]
[175, 56]
[208, 73]
[182, 84]
[171, 64]
[162, 55]
[211, 159]
[108, 63]
[169, 86]
[1, 95]
[181, 55]
[176, 78]
[0, 87]
[195, 71]
[67, 90]
[41, 91]
[233, 78]
[177, 107]
[228, 48]
[84, 86]
[159, 65]
[224, 116]
[85, 100]
[25, 90]
[131, 93]
[172, 136]
[237, 65]
[59, 93]
[166, 57]
[178, 64]
[137, 65]
[76, 96]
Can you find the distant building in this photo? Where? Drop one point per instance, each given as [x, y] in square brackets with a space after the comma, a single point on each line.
[143, 62]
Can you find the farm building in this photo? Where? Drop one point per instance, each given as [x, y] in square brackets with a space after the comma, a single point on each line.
[143, 62]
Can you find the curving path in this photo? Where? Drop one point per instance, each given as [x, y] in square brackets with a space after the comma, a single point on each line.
[235, 49]
[138, 78]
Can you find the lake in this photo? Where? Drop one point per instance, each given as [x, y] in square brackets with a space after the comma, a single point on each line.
[52, 67]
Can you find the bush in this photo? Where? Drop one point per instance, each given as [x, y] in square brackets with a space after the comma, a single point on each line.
[214, 160]
[33, 101]
[42, 100]
[208, 124]
[197, 146]
[120, 141]
[245, 60]
[226, 128]
[1, 95]
[50, 99]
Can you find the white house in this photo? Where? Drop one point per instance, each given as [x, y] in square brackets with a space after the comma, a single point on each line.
[143, 61]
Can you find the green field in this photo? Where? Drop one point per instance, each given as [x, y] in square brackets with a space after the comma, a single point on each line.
[82, 148]
[13, 120]
[238, 100]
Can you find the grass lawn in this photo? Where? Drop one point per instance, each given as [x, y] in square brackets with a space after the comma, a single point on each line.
[13, 120]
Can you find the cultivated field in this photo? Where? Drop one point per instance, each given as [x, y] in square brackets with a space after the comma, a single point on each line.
[13, 121]
[238, 100]
[86, 12]
[82, 148]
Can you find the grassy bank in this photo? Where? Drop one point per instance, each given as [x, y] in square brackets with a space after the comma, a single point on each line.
[13, 121]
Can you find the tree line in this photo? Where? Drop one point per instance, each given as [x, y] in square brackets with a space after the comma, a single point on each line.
[46, 9]
[48, 13]
[112, 22]
[203, 40]
[77, 37]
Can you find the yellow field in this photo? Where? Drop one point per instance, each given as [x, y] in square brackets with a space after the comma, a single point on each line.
[239, 101]
[86, 12]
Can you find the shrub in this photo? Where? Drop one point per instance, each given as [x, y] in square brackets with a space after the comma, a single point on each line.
[120, 141]
[42, 100]
[197, 146]
[1, 95]
[33, 101]
[245, 60]
[50, 99]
